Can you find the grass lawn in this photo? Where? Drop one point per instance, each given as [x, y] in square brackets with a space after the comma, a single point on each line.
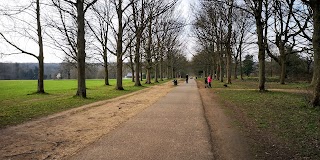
[280, 118]
[18, 104]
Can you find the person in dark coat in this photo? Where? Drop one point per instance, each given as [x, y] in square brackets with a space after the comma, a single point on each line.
[187, 77]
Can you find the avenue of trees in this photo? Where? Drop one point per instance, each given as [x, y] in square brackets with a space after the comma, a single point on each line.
[279, 32]
[146, 34]
[141, 32]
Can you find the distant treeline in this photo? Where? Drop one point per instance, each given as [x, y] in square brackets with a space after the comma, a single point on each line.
[29, 71]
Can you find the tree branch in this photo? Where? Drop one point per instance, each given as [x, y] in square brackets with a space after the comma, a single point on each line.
[18, 48]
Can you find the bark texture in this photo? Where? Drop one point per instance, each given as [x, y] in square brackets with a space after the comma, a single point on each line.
[315, 5]
[40, 57]
[81, 92]
[261, 56]
[119, 47]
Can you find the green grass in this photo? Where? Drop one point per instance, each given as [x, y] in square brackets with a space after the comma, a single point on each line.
[286, 115]
[19, 104]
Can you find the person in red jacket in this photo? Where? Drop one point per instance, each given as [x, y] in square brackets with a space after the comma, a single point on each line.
[209, 81]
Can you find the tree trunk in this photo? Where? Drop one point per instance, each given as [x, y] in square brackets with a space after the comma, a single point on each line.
[315, 5]
[218, 71]
[240, 64]
[156, 71]
[148, 75]
[221, 64]
[106, 71]
[214, 71]
[157, 64]
[119, 73]
[167, 72]
[119, 48]
[161, 67]
[261, 56]
[41, 75]
[132, 65]
[148, 52]
[283, 67]
[168, 66]
[105, 57]
[316, 43]
[235, 68]
[40, 57]
[81, 51]
[228, 45]
[137, 61]
[213, 62]
[172, 73]
[137, 57]
[141, 74]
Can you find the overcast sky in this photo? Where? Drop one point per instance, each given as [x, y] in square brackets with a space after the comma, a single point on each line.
[184, 9]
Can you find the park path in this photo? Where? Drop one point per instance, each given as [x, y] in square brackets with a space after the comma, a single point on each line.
[172, 128]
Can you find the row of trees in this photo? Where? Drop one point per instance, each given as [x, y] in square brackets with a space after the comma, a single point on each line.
[226, 29]
[142, 31]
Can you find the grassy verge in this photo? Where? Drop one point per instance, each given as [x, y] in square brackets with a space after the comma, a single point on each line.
[18, 104]
[280, 121]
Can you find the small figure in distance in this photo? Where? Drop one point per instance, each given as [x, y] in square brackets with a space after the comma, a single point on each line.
[175, 82]
[206, 83]
[209, 81]
[187, 77]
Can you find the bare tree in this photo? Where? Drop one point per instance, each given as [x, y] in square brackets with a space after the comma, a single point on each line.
[80, 7]
[100, 29]
[148, 48]
[255, 8]
[172, 46]
[212, 33]
[144, 14]
[131, 63]
[139, 26]
[162, 32]
[38, 40]
[120, 8]
[155, 10]
[242, 40]
[315, 6]
[301, 15]
[228, 40]
[285, 33]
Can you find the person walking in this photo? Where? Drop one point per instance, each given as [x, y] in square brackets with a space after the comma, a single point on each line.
[187, 77]
[209, 81]
[206, 83]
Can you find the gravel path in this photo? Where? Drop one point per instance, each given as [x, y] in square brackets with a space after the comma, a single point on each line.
[172, 128]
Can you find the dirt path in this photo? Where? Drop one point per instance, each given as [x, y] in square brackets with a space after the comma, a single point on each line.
[228, 143]
[63, 134]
